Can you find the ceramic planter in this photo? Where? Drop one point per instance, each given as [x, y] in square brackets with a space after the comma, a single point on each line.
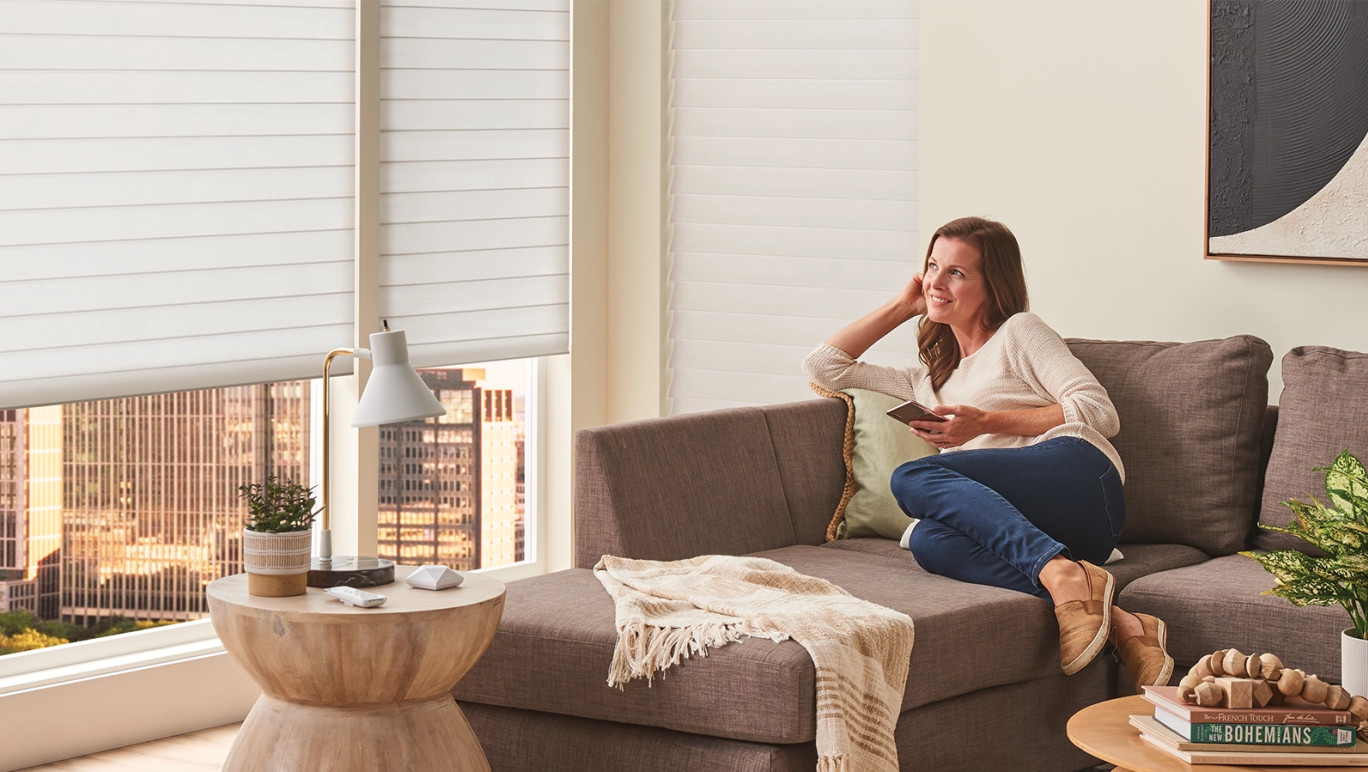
[1353, 663]
[277, 564]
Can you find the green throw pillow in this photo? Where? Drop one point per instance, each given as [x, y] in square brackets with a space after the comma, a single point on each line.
[875, 445]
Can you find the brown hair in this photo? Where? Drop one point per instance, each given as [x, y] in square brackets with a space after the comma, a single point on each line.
[1005, 282]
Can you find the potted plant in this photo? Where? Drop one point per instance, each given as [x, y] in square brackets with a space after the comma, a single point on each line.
[276, 538]
[1339, 529]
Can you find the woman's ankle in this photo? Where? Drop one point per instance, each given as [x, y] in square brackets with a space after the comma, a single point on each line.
[1065, 580]
[1125, 626]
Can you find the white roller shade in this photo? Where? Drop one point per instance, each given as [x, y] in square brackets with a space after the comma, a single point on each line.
[793, 187]
[474, 234]
[175, 194]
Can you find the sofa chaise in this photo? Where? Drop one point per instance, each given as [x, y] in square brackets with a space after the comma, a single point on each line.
[1206, 459]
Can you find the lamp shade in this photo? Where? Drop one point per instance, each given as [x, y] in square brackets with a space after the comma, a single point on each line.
[394, 392]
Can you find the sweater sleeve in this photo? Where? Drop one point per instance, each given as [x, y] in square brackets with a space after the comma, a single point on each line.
[834, 369]
[1042, 358]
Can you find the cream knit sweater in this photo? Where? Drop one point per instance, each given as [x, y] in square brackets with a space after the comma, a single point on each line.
[1024, 365]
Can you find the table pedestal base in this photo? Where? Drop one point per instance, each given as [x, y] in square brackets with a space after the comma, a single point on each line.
[421, 735]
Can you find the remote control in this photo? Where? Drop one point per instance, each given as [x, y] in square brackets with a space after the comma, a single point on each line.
[354, 597]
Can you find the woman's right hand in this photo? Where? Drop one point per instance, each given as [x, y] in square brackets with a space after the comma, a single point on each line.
[856, 338]
[912, 296]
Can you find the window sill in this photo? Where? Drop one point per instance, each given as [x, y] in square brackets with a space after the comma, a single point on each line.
[119, 701]
[90, 659]
[131, 688]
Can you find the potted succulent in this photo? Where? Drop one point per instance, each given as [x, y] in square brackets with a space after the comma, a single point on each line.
[276, 539]
[1339, 529]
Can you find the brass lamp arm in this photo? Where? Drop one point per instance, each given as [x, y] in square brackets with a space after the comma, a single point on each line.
[325, 545]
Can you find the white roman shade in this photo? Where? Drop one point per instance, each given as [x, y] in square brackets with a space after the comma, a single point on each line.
[177, 188]
[793, 187]
[175, 194]
[474, 223]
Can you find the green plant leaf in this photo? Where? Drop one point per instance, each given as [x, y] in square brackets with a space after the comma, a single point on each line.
[1346, 483]
[1340, 530]
[1284, 565]
[276, 507]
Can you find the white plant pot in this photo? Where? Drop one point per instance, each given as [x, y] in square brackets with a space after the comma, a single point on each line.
[1353, 664]
[277, 564]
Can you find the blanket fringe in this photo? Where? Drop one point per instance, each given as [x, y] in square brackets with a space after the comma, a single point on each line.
[839, 763]
[644, 650]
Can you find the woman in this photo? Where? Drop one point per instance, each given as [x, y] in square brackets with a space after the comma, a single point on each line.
[1030, 498]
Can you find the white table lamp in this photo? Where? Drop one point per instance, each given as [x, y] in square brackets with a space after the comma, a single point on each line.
[394, 392]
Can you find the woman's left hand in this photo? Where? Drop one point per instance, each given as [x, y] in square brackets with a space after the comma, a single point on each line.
[962, 423]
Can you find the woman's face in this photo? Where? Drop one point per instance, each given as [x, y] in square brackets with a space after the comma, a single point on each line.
[956, 292]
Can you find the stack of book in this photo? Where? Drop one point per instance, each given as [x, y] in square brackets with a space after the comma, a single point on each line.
[1294, 733]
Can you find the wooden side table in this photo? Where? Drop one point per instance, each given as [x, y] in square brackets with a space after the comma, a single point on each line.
[357, 688]
[1104, 730]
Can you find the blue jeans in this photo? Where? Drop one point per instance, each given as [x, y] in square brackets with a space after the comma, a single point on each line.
[997, 516]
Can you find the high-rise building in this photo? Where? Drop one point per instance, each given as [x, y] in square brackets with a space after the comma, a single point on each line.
[520, 521]
[129, 507]
[447, 493]
[498, 480]
[151, 510]
[31, 510]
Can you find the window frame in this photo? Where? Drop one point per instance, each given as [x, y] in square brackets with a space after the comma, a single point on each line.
[190, 681]
[188, 640]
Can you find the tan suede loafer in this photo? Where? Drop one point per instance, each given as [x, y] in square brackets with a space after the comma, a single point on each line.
[1144, 655]
[1084, 624]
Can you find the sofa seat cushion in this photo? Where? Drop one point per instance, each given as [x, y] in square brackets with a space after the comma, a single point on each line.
[887, 548]
[1144, 559]
[1217, 605]
[555, 643]
[1138, 560]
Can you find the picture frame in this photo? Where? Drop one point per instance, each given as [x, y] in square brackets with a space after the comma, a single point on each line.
[1287, 132]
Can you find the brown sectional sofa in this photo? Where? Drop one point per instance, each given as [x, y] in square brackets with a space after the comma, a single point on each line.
[985, 689]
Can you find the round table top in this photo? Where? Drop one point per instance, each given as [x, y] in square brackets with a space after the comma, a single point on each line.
[1104, 731]
[402, 599]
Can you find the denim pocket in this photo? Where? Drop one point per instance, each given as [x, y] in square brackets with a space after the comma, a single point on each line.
[1113, 500]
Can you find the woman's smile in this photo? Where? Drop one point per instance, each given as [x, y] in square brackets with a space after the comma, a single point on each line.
[953, 284]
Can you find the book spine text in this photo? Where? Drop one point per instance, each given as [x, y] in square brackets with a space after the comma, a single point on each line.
[1271, 734]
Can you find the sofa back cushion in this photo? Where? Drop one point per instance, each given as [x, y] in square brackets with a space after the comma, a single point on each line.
[678, 487]
[1191, 417]
[1323, 410]
[807, 438]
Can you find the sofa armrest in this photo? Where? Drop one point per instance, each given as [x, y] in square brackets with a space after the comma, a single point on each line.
[678, 487]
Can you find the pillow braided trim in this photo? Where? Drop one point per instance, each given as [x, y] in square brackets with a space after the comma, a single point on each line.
[847, 455]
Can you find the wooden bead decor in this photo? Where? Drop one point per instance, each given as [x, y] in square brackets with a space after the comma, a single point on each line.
[1227, 678]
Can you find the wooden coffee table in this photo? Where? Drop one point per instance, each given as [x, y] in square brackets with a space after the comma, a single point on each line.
[1104, 731]
[357, 688]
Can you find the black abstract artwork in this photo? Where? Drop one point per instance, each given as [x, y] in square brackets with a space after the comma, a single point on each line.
[1288, 160]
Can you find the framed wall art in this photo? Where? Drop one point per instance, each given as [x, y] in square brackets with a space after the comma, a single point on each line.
[1287, 162]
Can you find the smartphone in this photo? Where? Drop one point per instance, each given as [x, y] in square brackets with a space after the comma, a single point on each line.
[914, 411]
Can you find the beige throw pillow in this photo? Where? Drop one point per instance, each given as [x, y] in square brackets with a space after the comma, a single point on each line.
[875, 445]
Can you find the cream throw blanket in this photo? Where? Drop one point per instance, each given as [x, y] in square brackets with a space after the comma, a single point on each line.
[667, 611]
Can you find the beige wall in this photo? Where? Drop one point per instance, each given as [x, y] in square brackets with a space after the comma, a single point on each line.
[1081, 124]
[614, 371]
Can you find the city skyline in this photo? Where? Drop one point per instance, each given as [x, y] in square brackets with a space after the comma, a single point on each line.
[129, 507]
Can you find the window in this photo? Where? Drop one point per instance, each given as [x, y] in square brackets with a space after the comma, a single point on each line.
[485, 526]
[793, 187]
[190, 223]
[195, 194]
[115, 514]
